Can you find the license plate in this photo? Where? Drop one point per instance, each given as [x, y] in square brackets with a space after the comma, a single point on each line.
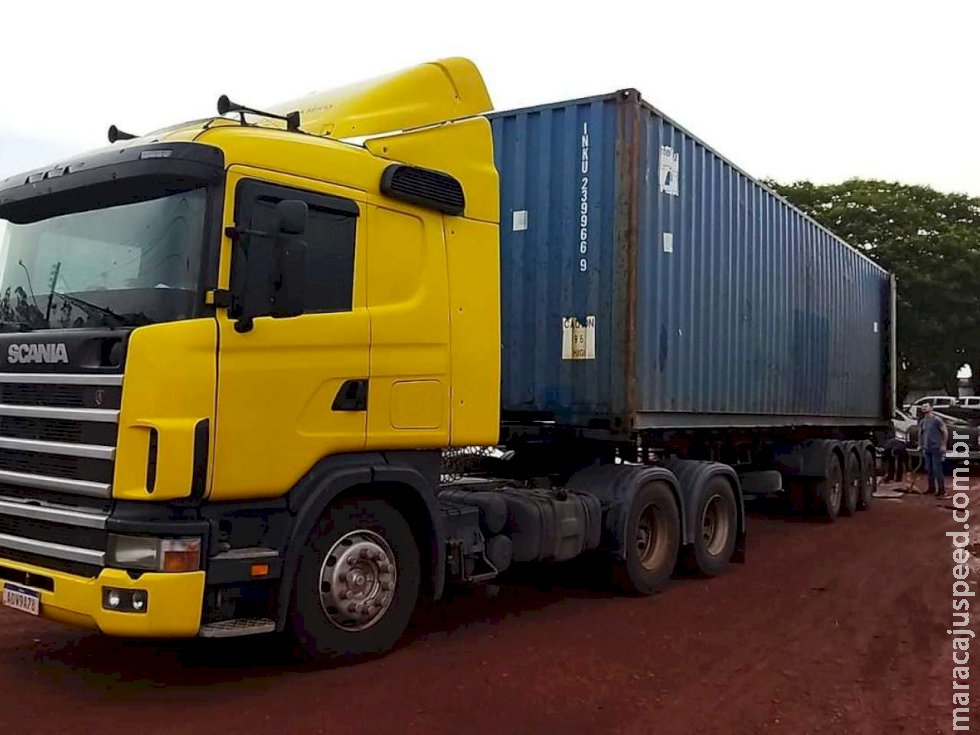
[21, 598]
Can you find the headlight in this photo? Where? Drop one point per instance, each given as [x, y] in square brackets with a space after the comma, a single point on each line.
[154, 554]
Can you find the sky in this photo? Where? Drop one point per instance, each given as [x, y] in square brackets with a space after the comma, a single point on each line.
[790, 90]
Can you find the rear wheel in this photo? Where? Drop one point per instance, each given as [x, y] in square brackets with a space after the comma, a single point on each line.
[852, 485]
[357, 582]
[714, 539]
[827, 491]
[869, 479]
[652, 543]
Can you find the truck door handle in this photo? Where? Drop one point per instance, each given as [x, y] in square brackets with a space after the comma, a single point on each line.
[352, 396]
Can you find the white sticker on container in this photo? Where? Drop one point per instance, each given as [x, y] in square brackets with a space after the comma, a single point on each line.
[670, 171]
[876, 327]
[577, 339]
[520, 220]
[668, 242]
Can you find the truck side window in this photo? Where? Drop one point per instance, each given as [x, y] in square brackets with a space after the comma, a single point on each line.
[330, 236]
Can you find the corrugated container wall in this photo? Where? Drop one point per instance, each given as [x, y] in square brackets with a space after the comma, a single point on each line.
[647, 282]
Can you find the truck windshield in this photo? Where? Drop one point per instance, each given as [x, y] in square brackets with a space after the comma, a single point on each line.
[128, 264]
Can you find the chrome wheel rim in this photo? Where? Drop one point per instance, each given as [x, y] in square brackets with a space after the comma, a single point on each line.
[357, 580]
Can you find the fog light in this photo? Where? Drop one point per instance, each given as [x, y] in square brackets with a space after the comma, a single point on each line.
[125, 601]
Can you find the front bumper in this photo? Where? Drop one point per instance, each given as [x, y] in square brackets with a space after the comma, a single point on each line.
[173, 609]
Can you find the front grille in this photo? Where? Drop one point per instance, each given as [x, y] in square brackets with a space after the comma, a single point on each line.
[54, 465]
[70, 396]
[18, 492]
[54, 430]
[55, 533]
[57, 441]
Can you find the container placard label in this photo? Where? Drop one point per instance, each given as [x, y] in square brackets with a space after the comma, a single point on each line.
[519, 220]
[670, 171]
[577, 339]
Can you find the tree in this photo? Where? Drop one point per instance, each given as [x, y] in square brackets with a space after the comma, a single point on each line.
[931, 242]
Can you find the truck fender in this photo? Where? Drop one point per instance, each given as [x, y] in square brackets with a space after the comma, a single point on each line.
[334, 475]
[615, 485]
[692, 477]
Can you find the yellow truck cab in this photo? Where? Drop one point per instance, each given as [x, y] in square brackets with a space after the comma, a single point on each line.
[233, 325]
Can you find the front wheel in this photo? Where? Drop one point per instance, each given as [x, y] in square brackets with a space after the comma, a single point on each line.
[357, 582]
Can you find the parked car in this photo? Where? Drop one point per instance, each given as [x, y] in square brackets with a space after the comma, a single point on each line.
[902, 422]
[936, 401]
[970, 402]
[960, 430]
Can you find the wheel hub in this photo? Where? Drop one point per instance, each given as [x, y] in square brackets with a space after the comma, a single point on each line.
[357, 580]
[650, 538]
[714, 525]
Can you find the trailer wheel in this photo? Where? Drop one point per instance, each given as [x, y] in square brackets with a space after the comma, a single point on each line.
[714, 538]
[869, 479]
[852, 485]
[652, 543]
[827, 491]
[357, 581]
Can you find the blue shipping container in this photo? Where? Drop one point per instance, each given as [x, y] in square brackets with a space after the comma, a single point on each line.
[648, 282]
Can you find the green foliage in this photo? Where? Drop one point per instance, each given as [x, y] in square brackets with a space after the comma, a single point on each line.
[931, 242]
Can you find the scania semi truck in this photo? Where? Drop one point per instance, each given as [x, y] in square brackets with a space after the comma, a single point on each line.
[292, 370]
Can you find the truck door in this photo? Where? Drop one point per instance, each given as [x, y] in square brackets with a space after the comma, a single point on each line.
[291, 391]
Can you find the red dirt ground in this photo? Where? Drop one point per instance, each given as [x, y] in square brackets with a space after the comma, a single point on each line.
[829, 628]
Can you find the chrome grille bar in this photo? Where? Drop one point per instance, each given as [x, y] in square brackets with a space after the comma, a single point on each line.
[67, 414]
[53, 514]
[57, 484]
[89, 451]
[63, 379]
[47, 548]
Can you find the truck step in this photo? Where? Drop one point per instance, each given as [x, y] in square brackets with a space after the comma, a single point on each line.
[237, 627]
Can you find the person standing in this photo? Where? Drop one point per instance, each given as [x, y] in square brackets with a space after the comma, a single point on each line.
[933, 436]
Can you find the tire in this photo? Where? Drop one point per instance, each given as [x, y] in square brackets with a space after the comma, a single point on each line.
[827, 491]
[652, 543]
[869, 481]
[387, 568]
[716, 530]
[852, 485]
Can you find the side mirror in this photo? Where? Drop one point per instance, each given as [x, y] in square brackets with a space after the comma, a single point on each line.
[289, 273]
[292, 214]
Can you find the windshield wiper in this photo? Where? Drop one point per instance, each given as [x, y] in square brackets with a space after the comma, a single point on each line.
[122, 320]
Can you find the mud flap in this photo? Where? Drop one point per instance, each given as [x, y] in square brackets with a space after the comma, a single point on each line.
[738, 554]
